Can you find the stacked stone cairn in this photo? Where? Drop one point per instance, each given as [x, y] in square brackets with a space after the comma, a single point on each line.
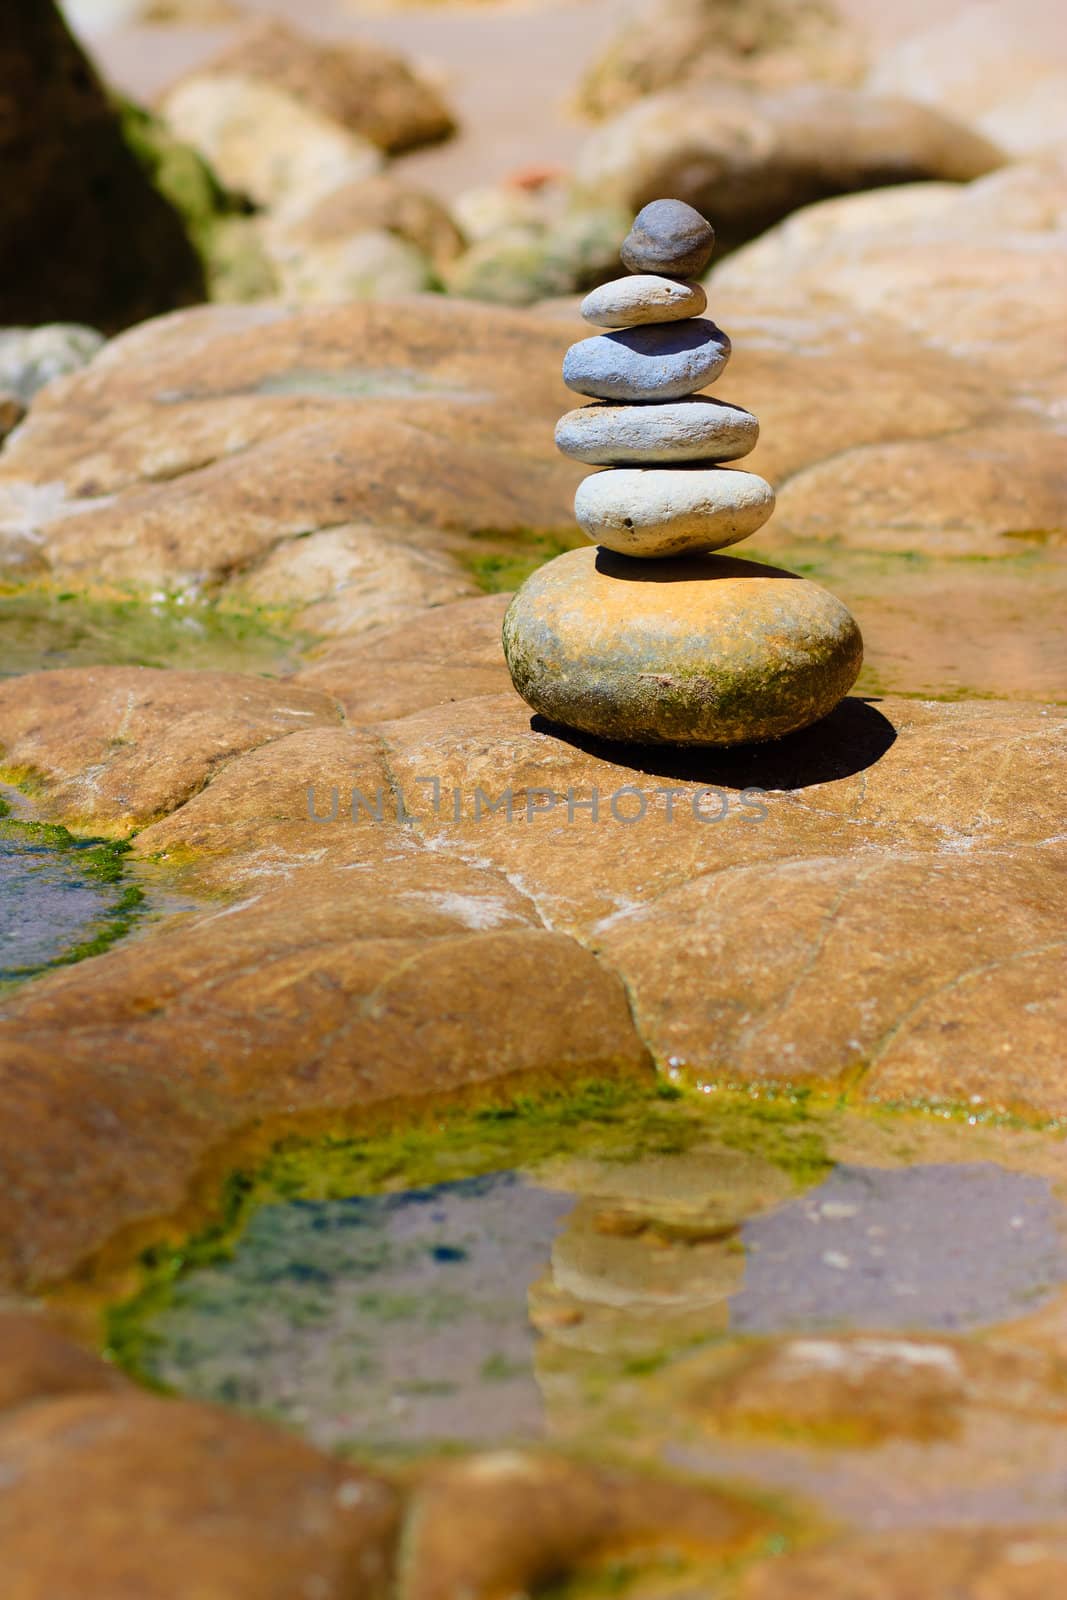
[650, 637]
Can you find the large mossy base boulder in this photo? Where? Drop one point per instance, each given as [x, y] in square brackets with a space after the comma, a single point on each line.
[84, 237]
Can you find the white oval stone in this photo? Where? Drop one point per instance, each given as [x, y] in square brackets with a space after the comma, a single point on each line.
[660, 361]
[643, 297]
[649, 511]
[675, 431]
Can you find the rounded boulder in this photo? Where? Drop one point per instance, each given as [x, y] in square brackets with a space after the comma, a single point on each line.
[705, 650]
[671, 237]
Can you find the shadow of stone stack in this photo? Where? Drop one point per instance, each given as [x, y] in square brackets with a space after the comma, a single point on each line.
[651, 638]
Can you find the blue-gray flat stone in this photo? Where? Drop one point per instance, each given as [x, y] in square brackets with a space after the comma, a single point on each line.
[661, 361]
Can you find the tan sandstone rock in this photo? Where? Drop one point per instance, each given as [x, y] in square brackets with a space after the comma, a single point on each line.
[38, 1362]
[264, 143]
[199, 446]
[144, 1489]
[976, 271]
[299, 1003]
[862, 1389]
[747, 159]
[506, 1523]
[379, 676]
[325, 250]
[113, 747]
[714, 41]
[356, 84]
[999, 65]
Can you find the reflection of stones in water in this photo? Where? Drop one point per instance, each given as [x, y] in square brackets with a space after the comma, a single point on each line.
[648, 1256]
[917, 1247]
[50, 904]
[390, 1319]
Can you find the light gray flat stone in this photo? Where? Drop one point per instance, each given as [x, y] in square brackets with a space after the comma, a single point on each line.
[676, 431]
[642, 298]
[661, 361]
[662, 511]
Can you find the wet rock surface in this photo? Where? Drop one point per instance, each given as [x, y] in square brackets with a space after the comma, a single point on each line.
[54, 904]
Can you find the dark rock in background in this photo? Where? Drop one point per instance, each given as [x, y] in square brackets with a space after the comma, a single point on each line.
[84, 237]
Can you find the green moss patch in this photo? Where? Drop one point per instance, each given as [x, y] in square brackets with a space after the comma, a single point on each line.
[67, 898]
[500, 562]
[218, 223]
[303, 1239]
[43, 628]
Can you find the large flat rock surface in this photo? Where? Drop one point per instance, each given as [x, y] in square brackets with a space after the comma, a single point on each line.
[816, 985]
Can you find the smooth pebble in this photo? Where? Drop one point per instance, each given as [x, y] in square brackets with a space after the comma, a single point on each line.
[661, 511]
[675, 432]
[661, 361]
[646, 297]
[671, 237]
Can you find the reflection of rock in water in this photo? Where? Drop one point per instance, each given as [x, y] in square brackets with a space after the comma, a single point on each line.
[651, 1252]
[406, 1318]
[953, 1246]
[646, 1264]
[385, 1320]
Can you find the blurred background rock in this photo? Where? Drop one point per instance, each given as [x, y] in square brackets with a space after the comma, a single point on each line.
[325, 150]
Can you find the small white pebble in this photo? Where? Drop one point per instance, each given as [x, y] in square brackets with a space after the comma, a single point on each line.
[834, 1258]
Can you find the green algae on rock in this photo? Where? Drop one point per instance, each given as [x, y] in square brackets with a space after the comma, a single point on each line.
[331, 1290]
[704, 650]
[66, 898]
[43, 628]
[217, 222]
